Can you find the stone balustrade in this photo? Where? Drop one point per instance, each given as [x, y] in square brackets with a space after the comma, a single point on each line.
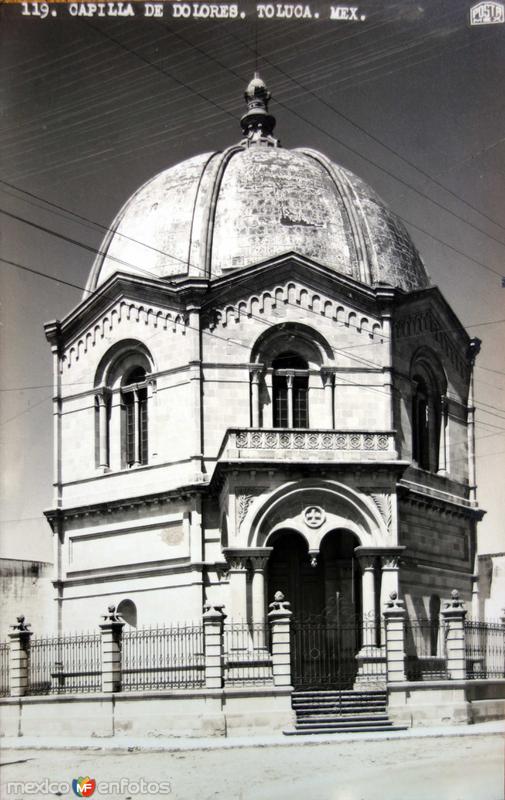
[319, 445]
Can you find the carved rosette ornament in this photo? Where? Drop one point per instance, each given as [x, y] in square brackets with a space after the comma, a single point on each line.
[314, 516]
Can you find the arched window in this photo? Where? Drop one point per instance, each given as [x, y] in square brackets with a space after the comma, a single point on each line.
[290, 385]
[421, 423]
[134, 403]
[123, 392]
[428, 407]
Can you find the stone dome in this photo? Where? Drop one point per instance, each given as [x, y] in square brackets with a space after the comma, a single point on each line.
[224, 211]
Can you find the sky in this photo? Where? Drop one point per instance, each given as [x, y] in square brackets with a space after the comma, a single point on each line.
[410, 99]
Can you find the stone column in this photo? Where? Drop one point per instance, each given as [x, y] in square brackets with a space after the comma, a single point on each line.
[19, 658]
[238, 562]
[371, 660]
[280, 622]
[289, 379]
[442, 450]
[255, 395]
[454, 614]
[259, 562]
[136, 424]
[327, 378]
[268, 408]
[394, 620]
[367, 561]
[112, 631]
[213, 621]
[103, 433]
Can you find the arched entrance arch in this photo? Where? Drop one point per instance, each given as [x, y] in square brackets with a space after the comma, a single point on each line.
[325, 585]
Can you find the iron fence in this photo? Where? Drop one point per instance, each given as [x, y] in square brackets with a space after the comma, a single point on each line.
[484, 649]
[247, 658]
[425, 650]
[163, 658]
[65, 664]
[4, 669]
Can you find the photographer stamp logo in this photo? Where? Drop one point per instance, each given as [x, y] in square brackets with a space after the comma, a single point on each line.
[487, 13]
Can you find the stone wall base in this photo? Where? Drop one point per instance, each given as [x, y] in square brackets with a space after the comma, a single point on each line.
[429, 703]
[203, 713]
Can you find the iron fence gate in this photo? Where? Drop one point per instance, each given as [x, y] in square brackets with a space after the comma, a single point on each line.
[323, 653]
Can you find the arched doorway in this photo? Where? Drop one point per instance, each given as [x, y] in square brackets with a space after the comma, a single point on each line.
[324, 592]
[290, 571]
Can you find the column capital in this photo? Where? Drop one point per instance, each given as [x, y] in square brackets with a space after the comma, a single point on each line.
[255, 371]
[259, 558]
[237, 560]
[390, 557]
[366, 556]
[327, 374]
[102, 394]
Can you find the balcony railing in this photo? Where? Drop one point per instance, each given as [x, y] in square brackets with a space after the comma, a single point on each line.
[298, 444]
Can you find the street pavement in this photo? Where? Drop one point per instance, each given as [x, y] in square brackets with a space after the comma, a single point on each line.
[464, 763]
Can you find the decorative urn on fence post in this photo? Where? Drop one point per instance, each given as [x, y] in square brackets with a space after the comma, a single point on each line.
[19, 657]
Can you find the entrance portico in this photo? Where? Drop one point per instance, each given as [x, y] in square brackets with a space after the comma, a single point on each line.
[323, 545]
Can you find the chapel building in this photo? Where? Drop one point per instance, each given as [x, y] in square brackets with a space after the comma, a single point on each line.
[260, 391]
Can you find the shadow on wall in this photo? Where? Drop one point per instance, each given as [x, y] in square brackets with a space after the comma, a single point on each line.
[26, 588]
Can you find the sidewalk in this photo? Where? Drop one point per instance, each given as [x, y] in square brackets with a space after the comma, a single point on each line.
[174, 745]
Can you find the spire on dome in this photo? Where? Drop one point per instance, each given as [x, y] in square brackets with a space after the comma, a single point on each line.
[257, 124]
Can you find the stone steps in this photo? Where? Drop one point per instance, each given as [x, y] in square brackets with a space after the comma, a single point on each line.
[340, 711]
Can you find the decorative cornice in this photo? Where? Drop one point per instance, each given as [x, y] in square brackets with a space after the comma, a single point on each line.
[150, 315]
[112, 506]
[424, 320]
[432, 500]
[293, 293]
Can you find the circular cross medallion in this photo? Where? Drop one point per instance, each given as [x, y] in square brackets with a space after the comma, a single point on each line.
[314, 516]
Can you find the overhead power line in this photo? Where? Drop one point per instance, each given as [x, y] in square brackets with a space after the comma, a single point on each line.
[351, 149]
[322, 130]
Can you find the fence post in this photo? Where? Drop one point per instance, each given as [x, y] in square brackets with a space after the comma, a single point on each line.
[112, 631]
[280, 622]
[394, 620]
[454, 614]
[213, 621]
[19, 658]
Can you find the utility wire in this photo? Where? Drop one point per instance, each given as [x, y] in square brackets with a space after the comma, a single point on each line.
[351, 149]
